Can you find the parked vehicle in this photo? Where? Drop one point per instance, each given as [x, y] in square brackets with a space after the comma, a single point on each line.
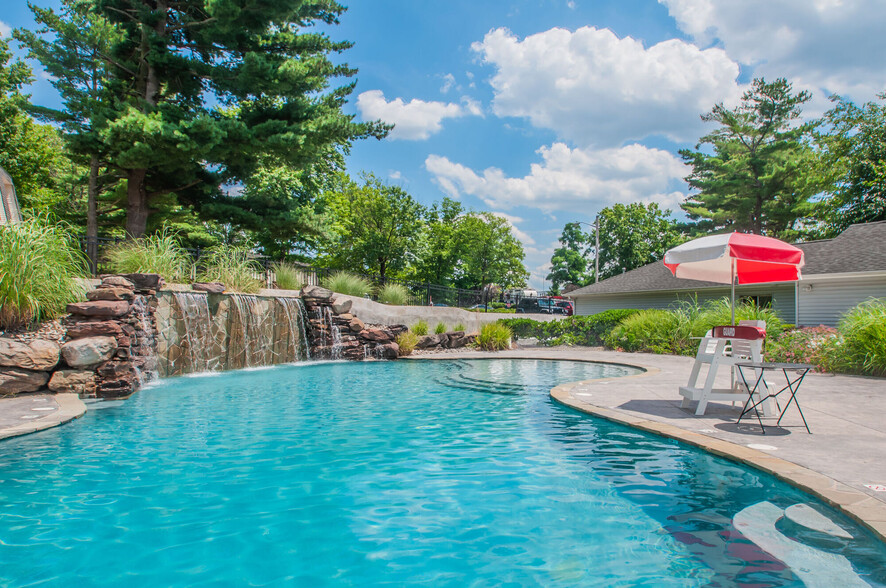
[542, 305]
[567, 306]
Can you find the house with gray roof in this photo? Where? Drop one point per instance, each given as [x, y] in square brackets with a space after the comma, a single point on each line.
[9, 211]
[838, 275]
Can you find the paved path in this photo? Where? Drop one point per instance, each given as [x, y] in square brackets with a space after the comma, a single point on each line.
[846, 450]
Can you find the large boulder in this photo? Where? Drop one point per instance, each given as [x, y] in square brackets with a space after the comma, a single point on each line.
[88, 351]
[116, 282]
[356, 325]
[38, 355]
[15, 380]
[73, 381]
[210, 287]
[94, 328]
[389, 351]
[430, 341]
[341, 306]
[376, 335]
[100, 308]
[145, 281]
[109, 293]
[316, 292]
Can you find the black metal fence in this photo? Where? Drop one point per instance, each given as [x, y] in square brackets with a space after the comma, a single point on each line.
[420, 293]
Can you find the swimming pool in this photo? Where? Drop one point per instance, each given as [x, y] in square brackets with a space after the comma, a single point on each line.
[443, 473]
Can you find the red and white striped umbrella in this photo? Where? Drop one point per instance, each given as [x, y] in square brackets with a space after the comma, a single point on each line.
[736, 258]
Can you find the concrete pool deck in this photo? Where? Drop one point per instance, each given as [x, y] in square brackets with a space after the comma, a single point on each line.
[30, 413]
[845, 452]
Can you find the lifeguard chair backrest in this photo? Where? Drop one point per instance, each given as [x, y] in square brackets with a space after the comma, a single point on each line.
[738, 332]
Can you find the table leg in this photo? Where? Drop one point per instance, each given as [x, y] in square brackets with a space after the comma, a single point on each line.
[793, 398]
[750, 399]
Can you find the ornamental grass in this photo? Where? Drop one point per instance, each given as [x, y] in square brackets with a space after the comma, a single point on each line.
[156, 254]
[440, 329]
[287, 276]
[420, 328]
[494, 337]
[394, 294]
[348, 284]
[863, 330]
[407, 342]
[38, 266]
[232, 267]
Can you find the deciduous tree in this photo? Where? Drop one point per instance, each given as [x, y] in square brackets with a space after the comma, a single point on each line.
[488, 252]
[569, 264]
[633, 235]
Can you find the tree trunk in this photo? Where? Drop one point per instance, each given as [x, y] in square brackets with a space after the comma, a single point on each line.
[92, 216]
[136, 203]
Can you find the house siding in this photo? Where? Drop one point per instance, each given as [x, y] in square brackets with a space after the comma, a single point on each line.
[830, 299]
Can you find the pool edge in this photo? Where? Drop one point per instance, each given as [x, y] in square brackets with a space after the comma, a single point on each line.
[70, 407]
[863, 509]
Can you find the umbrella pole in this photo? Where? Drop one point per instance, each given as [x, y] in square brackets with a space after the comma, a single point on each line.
[733, 291]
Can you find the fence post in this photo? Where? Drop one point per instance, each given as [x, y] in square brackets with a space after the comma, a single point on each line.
[427, 294]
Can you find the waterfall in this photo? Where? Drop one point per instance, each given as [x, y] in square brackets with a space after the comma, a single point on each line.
[198, 333]
[195, 341]
[335, 348]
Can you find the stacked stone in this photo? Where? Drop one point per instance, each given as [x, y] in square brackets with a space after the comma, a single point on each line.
[450, 340]
[357, 340]
[26, 366]
[111, 339]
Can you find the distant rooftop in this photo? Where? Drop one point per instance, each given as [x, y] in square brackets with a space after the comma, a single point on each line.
[860, 248]
[9, 210]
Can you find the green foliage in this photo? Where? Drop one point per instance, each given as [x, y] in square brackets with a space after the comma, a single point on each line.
[864, 337]
[287, 276]
[38, 264]
[633, 235]
[233, 267]
[348, 284]
[853, 153]
[420, 328]
[671, 331]
[760, 175]
[494, 337]
[440, 328]
[372, 226]
[575, 330]
[407, 342]
[157, 254]
[459, 328]
[488, 252]
[394, 294]
[818, 346]
[436, 253]
[569, 264]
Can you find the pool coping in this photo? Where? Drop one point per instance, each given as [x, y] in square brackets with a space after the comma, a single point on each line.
[863, 509]
[70, 407]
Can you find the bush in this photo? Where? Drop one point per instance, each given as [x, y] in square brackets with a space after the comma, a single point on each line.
[232, 267]
[395, 294]
[864, 337]
[157, 254]
[818, 346]
[38, 264]
[460, 328]
[348, 284]
[420, 328]
[407, 342]
[494, 337]
[575, 330]
[440, 328]
[287, 276]
[652, 330]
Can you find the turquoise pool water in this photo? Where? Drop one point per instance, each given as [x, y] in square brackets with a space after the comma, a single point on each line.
[455, 473]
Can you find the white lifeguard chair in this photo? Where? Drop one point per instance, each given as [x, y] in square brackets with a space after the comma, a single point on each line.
[721, 347]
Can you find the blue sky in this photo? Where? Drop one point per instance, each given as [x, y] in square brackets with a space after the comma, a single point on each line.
[546, 111]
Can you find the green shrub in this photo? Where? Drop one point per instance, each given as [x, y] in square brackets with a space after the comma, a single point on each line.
[440, 328]
[494, 337]
[407, 342]
[497, 305]
[818, 346]
[864, 337]
[232, 267]
[287, 276]
[348, 284]
[652, 330]
[575, 330]
[38, 264]
[460, 328]
[395, 294]
[157, 254]
[420, 328]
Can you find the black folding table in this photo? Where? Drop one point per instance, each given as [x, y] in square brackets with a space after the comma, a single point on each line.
[792, 387]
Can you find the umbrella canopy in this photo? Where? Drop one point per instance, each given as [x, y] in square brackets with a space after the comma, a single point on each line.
[751, 259]
[736, 257]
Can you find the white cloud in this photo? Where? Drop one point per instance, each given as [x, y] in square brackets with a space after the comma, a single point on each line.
[829, 45]
[448, 83]
[395, 175]
[580, 181]
[414, 120]
[5, 29]
[595, 88]
[523, 236]
[472, 106]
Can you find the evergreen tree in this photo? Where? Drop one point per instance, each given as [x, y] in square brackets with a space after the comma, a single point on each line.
[758, 178]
